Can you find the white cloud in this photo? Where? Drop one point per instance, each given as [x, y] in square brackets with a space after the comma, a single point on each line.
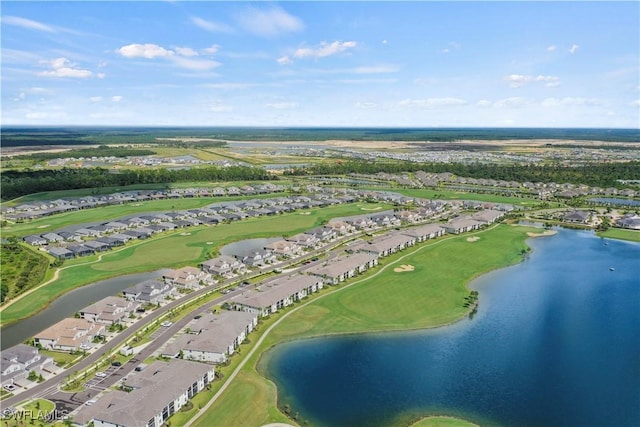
[62, 67]
[635, 103]
[194, 64]
[484, 103]
[513, 102]
[574, 48]
[552, 48]
[117, 98]
[519, 80]
[211, 50]
[182, 56]
[284, 60]
[269, 22]
[571, 101]
[213, 27]
[186, 51]
[282, 105]
[384, 41]
[325, 49]
[432, 102]
[95, 99]
[28, 24]
[147, 50]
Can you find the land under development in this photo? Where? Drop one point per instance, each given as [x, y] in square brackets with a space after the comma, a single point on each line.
[246, 242]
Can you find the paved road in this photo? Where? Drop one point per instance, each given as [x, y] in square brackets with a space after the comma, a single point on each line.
[50, 387]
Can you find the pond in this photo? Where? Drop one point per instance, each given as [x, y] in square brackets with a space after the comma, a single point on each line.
[554, 343]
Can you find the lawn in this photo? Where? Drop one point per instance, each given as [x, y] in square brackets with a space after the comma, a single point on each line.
[33, 412]
[442, 422]
[619, 233]
[107, 213]
[445, 194]
[430, 296]
[171, 251]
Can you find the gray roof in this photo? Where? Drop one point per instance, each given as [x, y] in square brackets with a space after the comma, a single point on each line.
[217, 332]
[150, 395]
[339, 266]
[275, 290]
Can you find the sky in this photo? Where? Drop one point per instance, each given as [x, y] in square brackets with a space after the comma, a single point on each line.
[306, 63]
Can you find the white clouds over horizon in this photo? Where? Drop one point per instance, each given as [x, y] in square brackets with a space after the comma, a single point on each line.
[519, 80]
[183, 57]
[62, 67]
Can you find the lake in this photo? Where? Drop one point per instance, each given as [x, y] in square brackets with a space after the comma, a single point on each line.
[555, 342]
[69, 304]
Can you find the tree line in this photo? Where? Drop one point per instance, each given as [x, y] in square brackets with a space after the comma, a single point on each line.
[595, 174]
[19, 183]
[101, 151]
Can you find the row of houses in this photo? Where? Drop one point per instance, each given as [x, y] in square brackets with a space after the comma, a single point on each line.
[33, 210]
[148, 397]
[17, 362]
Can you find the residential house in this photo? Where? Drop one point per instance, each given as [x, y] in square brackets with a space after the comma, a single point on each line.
[109, 310]
[69, 334]
[577, 217]
[285, 249]
[35, 240]
[304, 240]
[154, 394]
[149, 292]
[488, 216]
[224, 266]
[186, 277]
[60, 253]
[425, 232]
[256, 257]
[214, 337]
[53, 238]
[18, 361]
[461, 224]
[385, 245]
[81, 250]
[340, 269]
[275, 294]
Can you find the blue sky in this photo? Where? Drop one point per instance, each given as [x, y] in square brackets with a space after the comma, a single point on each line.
[413, 64]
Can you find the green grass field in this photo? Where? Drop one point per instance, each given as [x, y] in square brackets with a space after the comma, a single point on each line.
[619, 233]
[170, 251]
[460, 195]
[107, 213]
[430, 296]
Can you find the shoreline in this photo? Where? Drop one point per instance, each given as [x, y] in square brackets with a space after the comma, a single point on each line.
[262, 361]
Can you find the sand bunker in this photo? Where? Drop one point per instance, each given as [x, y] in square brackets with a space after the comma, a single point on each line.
[305, 213]
[209, 243]
[44, 226]
[542, 234]
[371, 209]
[403, 268]
[185, 234]
[473, 239]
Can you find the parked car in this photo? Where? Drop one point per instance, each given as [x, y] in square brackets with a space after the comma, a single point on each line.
[166, 324]
[9, 387]
[101, 375]
[116, 363]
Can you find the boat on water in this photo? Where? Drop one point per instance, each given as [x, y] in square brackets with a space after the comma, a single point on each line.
[612, 269]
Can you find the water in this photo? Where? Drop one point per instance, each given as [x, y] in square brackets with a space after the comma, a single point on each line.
[555, 342]
[69, 304]
[242, 247]
[615, 201]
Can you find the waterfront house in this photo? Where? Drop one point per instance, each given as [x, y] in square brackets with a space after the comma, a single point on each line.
[152, 395]
[69, 334]
[630, 221]
[304, 240]
[214, 337]
[109, 310]
[284, 248]
[186, 277]
[149, 292]
[224, 266]
[577, 217]
[18, 361]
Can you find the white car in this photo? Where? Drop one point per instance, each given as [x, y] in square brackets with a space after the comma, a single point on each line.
[9, 387]
[101, 375]
[90, 402]
[166, 324]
